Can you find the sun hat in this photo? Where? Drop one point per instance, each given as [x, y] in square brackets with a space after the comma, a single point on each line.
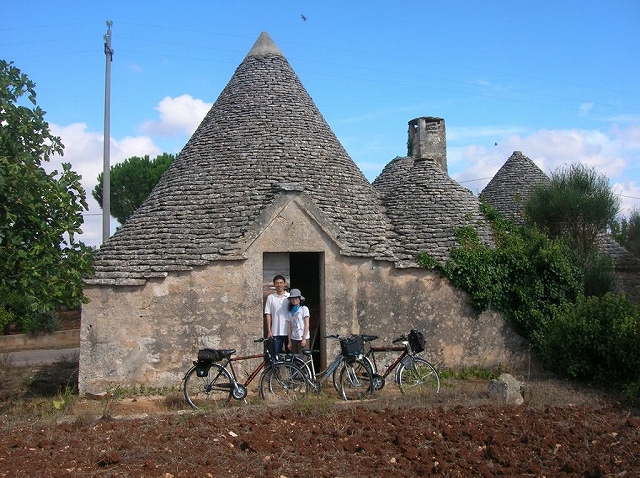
[295, 293]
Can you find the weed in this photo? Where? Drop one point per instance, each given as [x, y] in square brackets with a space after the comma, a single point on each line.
[469, 372]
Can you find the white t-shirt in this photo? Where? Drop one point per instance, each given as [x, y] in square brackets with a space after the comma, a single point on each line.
[298, 322]
[278, 307]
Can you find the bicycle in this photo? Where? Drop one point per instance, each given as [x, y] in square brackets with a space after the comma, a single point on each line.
[209, 384]
[351, 381]
[413, 374]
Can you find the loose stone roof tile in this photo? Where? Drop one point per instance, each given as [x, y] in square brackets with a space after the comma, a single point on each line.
[425, 205]
[511, 187]
[262, 137]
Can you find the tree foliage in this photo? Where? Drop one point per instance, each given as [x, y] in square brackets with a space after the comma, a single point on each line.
[41, 261]
[539, 286]
[131, 182]
[524, 276]
[627, 232]
[576, 205]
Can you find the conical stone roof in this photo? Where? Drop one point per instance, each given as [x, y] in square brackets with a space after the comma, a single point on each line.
[511, 187]
[425, 206]
[263, 135]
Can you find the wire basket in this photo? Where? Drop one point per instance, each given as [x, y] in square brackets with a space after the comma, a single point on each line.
[352, 346]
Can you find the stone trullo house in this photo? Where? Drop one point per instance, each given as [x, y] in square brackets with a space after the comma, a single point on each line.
[264, 187]
[509, 190]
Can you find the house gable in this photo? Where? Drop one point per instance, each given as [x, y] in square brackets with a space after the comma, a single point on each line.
[293, 223]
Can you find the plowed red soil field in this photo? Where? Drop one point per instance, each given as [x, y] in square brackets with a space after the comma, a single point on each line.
[559, 431]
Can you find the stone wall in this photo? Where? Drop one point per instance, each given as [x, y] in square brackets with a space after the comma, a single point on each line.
[150, 334]
[456, 335]
[54, 340]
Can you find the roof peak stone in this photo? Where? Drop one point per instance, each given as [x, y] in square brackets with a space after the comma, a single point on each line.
[264, 45]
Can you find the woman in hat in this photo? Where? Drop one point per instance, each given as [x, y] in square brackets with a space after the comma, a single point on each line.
[298, 322]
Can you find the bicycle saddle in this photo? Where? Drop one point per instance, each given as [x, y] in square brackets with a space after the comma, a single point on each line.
[227, 353]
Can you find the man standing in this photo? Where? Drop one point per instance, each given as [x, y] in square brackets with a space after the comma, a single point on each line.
[276, 311]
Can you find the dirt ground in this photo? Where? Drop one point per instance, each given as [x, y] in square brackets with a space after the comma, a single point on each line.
[560, 431]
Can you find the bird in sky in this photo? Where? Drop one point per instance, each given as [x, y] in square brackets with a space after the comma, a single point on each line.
[304, 19]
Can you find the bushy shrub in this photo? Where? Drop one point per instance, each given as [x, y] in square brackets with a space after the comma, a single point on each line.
[6, 317]
[599, 277]
[524, 277]
[562, 304]
[39, 321]
[26, 319]
[596, 338]
[631, 393]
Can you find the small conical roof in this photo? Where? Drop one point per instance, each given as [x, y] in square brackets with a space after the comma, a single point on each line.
[425, 206]
[511, 187]
[264, 135]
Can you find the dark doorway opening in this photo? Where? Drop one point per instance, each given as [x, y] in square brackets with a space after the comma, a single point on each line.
[306, 275]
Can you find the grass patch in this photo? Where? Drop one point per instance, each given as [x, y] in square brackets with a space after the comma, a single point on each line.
[470, 372]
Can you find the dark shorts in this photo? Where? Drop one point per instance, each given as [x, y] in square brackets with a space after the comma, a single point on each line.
[296, 346]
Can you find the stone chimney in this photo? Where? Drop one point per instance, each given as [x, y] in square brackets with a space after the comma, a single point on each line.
[428, 141]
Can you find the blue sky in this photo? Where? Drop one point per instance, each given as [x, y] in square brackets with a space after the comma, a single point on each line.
[555, 80]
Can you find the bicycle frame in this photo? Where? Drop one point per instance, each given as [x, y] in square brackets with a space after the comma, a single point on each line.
[391, 348]
[322, 376]
[229, 366]
[315, 379]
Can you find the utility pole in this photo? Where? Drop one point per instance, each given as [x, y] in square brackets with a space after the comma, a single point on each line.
[106, 180]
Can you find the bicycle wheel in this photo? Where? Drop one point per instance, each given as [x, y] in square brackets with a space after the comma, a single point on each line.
[336, 374]
[417, 376]
[283, 382]
[355, 380]
[303, 365]
[211, 391]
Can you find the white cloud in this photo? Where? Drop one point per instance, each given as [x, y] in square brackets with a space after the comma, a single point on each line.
[555, 149]
[180, 115]
[84, 150]
[628, 138]
[629, 194]
[614, 154]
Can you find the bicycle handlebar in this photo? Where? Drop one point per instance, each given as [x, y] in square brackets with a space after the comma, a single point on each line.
[402, 338]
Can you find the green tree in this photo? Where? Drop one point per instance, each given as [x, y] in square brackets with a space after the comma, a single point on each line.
[633, 233]
[576, 205]
[41, 261]
[131, 182]
[627, 232]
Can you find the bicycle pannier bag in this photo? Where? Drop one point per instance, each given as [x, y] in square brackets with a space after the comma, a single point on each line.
[416, 341]
[209, 355]
[352, 346]
[203, 367]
